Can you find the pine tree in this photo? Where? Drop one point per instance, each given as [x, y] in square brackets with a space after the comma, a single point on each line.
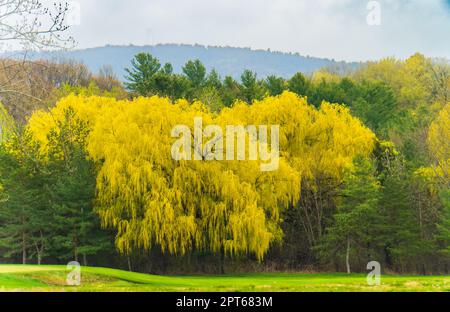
[251, 88]
[140, 76]
[76, 226]
[443, 235]
[275, 85]
[299, 85]
[24, 217]
[356, 222]
[401, 231]
[195, 71]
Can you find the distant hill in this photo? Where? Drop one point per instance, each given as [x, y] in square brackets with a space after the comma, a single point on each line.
[226, 60]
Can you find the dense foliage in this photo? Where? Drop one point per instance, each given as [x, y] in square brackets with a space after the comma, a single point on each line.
[361, 180]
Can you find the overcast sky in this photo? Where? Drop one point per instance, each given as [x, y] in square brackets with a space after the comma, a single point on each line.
[324, 28]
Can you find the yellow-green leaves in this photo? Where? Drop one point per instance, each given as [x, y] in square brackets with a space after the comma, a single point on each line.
[230, 206]
[7, 124]
[439, 143]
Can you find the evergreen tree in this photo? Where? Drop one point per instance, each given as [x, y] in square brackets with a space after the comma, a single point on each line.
[195, 71]
[231, 91]
[24, 215]
[376, 105]
[401, 233]
[76, 228]
[443, 234]
[356, 222]
[274, 85]
[140, 76]
[299, 84]
[167, 69]
[214, 80]
[251, 90]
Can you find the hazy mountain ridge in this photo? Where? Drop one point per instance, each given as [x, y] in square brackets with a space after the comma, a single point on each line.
[227, 61]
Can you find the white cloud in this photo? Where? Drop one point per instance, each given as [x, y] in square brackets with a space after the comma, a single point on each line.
[326, 28]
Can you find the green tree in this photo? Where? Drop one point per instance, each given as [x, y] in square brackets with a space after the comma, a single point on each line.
[167, 69]
[443, 235]
[179, 87]
[356, 221]
[213, 80]
[299, 84]
[76, 227]
[140, 76]
[329, 91]
[24, 215]
[376, 105]
[163, 84]
[275, 85]
[231, 91]
[401, 232]
[250, 87]
[195, 71]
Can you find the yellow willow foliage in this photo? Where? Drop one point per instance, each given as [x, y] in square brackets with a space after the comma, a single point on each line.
[85, 108]
[152, 199]
[229, 206]
[323, 75]
[314, 142]
[439, 143]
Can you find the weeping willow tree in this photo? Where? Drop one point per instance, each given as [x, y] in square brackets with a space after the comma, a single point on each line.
[229, 207]
[180, 206]
[320, 144]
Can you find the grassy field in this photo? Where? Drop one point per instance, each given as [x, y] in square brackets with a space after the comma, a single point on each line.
[53, 278]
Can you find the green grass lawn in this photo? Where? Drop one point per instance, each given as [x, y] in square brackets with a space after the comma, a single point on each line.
[53, 278]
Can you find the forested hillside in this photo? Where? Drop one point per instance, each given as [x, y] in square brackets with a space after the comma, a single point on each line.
[227, 61]
[86, 173]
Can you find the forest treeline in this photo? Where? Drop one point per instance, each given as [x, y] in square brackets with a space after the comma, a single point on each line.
[86, 172]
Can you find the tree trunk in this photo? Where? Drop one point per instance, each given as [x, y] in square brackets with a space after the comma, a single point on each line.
[222, 261]
[347, 257]
[129, 263]
[39, 251]
[84, 259]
